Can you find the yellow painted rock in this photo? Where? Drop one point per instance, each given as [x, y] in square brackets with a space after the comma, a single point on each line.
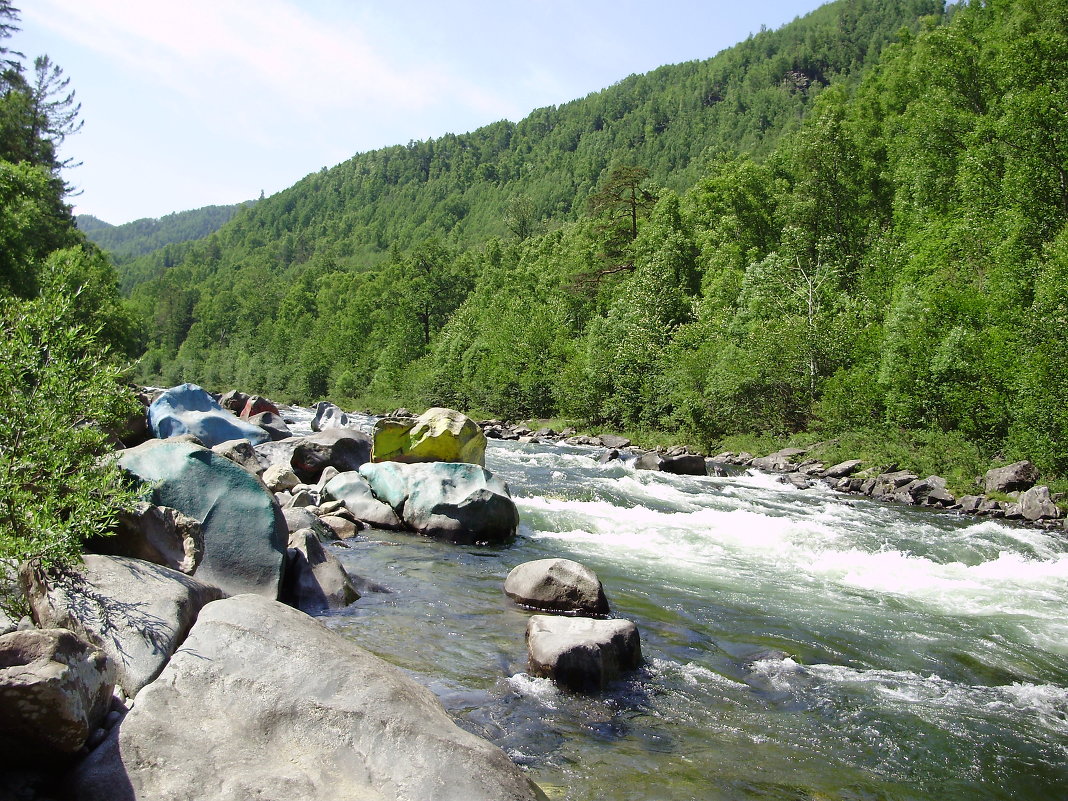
[437, 435]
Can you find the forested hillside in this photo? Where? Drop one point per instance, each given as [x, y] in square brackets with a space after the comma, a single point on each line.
[126, 241]
[809, 231]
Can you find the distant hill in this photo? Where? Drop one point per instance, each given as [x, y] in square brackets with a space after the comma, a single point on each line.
[125, 242]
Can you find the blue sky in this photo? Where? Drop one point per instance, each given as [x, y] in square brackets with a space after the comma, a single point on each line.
[211, 101]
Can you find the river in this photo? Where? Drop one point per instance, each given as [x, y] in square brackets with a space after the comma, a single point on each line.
[797, 644]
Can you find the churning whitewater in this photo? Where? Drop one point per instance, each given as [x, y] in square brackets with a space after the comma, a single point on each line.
[798, 644]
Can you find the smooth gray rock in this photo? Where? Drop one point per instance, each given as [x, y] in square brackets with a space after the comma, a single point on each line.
[343, 448]
[279, 478]
[265, 702]
[298, 517]
[244, 532]
[843, 469]
[137, 612]
[1036, 504]
[273, 424]
[241, 453]
[315, 580]
[557, 585]
[581, 653]
[1011, 477]
[328, 416]
[55, 690]
[613, 441]
[455, 501]
[155, 534]
[352, 489]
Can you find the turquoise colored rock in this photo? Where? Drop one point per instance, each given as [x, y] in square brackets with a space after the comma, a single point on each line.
[353, 489]
[245, 534]
[437, 435]
[454, 501]
[188, 409]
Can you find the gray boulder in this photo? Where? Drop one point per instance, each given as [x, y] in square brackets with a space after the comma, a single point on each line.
[279, 478]
[241, 453]
[581, 653]
[136, 611]
[155, 534]
[1011, 477]
[1036, 504]
[273, 424]
[55, 690]
[613, 441]
[188, 409]
[343, 448]
[843, 469]
[352, 488]
[263, 701]
[244, 532]
[557, 585]
[315, 580]
[455, 501]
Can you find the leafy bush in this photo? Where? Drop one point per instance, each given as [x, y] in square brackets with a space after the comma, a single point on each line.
[60, 393]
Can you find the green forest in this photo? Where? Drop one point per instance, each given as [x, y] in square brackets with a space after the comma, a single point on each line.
[852, 226]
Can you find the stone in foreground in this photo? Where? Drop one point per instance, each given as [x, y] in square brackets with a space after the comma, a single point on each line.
[265, 702]
[581, 653]
[454, 501]
[188, 409]
[437, 435]
[245, 534]
[137, 612]
[55, 689]
[557, 585]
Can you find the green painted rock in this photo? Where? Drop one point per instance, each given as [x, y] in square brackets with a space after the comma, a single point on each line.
[245, 534]
[437, 435]
[454, 501]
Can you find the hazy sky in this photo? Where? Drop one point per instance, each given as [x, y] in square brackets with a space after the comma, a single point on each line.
[202, 102]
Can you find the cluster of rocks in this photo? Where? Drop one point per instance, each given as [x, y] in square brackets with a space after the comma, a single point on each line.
[147, 671]
[1017, 482]
[575, 645]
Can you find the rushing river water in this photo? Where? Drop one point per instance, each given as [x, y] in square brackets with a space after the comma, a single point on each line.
[797, 644]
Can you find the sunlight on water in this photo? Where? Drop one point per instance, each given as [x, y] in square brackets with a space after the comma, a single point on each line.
[798, 644]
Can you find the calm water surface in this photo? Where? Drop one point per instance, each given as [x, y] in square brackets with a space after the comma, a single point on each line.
[798, 645]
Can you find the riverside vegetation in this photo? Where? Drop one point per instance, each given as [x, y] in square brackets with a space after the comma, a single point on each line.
[853, 227]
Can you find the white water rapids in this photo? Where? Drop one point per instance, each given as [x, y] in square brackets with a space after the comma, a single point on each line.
[798, 644]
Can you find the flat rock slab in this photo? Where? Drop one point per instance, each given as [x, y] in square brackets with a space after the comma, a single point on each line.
[245, 534]
[264, 702]
[137, 612]
[557, 585]
[581, 653]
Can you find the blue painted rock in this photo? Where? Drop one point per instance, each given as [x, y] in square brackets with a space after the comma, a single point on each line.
[188, 409]
[454, 501]
[245, 534]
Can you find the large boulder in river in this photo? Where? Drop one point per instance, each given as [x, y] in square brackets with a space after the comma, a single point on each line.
[273, 424]
[437, 435]
[55, 689]
[342, 448]
[1037, 504]
[454, 501]
[1011, 477]
[353, 490]
[263, 701]
[188, 409]
[256, 405]
[244, 532]
[557, 585]
[328, 416]
[684, 464]
[137, 612]
[581, 653]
